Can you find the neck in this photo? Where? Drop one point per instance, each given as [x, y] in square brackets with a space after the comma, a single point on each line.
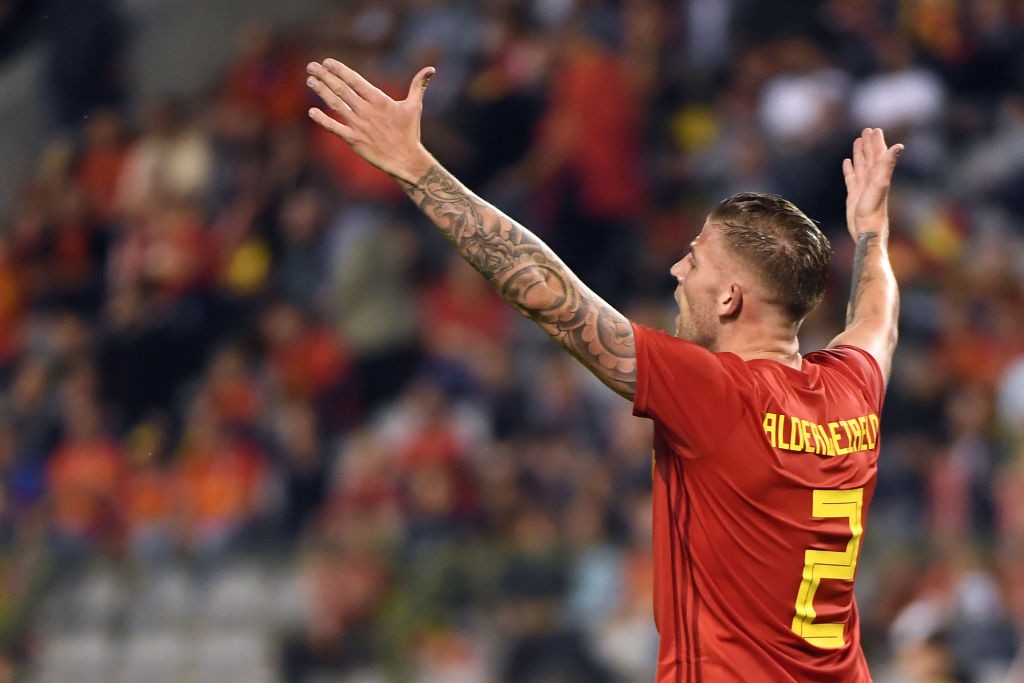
[779, 344]
[790, 357]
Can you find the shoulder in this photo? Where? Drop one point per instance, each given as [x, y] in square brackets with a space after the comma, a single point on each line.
[675, 376]
[656, 348]
[845, 356]
[853, 363]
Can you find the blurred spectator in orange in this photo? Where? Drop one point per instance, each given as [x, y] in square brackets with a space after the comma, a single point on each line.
[234, 393]
[84, 477]
[305, 360]
[223, 483]
[147, 496]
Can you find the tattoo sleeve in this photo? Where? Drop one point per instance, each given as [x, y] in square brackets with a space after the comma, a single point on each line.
[528, 275]
[872, 316]
[861, 279]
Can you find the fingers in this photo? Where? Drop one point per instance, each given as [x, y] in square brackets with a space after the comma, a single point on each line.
[330, 97]
[332, 125]
[418, 86]
[359, 85]
[334, 93]
[859, 159]
[848, 174]
[345, 91]
[877, 154]
[869, 149]
[877, 146]
[869, 142]
[892, 154]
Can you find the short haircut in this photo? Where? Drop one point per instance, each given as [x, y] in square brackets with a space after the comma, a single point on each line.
[784, 247]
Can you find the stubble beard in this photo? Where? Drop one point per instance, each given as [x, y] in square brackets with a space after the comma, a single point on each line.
[688, 328]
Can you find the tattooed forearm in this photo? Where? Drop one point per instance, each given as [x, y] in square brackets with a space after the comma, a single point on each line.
[873, 313]
[531, 277]
[861, 279]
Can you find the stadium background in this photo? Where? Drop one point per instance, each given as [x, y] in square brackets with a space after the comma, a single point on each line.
[258, 424]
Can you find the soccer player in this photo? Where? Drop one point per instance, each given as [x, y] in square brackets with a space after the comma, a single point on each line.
[764, 461]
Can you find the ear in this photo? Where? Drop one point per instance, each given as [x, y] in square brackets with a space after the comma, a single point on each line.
[731, 301]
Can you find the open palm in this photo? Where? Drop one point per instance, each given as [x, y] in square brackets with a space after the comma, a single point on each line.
[383, 131]
[868, 174]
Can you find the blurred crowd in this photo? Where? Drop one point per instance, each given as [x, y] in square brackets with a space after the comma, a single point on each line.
[223, 334]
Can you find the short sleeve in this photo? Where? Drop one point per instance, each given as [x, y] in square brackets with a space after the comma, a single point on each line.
[688, 391]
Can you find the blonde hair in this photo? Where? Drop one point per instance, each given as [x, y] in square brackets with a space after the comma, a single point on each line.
[785, 247]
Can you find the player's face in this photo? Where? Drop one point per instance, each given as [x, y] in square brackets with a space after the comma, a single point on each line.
[699, 277]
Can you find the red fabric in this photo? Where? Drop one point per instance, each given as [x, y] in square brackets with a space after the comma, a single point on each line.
[594, 124]
[462, 313]
[72, 260]
[269, 83]
[733, 513]
[236, 400]
[12, 294]
[98, 174]
[147, 496]
[219, 483]
[83, 479]
[311, 364]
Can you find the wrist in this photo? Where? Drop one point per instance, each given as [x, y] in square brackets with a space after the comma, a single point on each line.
[416, 166]
[880, 230]
[872, 245]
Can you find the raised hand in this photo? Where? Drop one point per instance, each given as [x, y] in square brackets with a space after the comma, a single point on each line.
[868, 175]
[384, 132]
[873, 310]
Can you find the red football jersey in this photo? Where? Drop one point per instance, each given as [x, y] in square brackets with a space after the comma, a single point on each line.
[762, 479]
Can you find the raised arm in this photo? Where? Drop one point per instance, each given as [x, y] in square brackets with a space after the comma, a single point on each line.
[873, 309]
[524, 270]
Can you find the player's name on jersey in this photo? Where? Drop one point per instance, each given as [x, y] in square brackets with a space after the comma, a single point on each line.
[841, 437]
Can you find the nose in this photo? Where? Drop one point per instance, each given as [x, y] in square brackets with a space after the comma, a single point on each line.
[678, 268]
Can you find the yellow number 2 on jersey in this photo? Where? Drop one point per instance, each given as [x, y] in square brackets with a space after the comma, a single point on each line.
[828, 564]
